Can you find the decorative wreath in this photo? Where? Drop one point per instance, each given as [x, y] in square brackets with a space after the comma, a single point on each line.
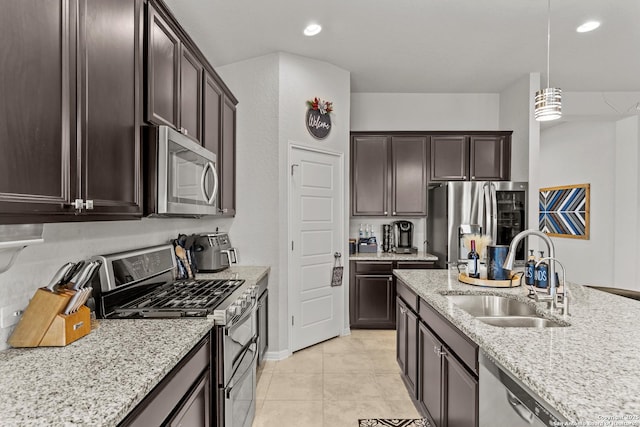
[323, 106]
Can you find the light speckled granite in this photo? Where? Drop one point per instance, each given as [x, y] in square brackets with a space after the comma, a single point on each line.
[383, 256]
[100, 378]
[588, 370]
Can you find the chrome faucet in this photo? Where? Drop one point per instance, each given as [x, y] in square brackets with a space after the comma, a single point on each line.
[511, 258]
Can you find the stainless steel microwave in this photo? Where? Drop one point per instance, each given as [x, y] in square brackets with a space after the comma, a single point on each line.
[181, 175]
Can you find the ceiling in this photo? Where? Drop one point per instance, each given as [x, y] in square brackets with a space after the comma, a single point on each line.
[430, 46]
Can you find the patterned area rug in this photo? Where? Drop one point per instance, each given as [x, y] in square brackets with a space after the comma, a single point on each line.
[379, 422]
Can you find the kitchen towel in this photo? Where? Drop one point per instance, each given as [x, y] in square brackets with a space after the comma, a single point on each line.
[394, 422]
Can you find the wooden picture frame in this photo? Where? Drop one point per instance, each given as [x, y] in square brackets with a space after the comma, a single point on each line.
[564, 211]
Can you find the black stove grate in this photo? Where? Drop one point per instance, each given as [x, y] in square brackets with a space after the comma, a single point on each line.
[182, 298]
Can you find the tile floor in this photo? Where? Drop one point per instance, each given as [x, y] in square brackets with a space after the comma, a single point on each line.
[334, 383]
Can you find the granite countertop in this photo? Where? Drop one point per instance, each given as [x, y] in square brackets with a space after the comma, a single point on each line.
[383, 256]
[100, 378]
[587, 371]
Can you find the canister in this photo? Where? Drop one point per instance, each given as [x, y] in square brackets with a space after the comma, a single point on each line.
[496, 255]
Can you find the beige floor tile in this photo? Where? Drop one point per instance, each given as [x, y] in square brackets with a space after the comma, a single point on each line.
[289, 414]
[381, 343]
[259, 403]
[347, 344]
[347, 362]
[402, 409]
[295, 386]
[347, 413]
[305, 361]
[268, 366]
[392, 386]
[351, 386]
[384, 362]
[263, 385]
[375, 333]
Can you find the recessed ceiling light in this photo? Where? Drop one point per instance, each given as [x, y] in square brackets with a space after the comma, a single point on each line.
[588, 26]
[312, 30]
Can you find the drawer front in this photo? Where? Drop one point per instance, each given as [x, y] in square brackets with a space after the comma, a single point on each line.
[410, 297]
[374, 267]
[465, 349]
[415, 265]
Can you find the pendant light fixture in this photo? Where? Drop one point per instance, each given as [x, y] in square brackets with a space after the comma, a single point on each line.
[548, 101]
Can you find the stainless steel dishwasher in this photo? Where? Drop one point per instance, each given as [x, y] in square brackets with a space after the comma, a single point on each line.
[505, 401]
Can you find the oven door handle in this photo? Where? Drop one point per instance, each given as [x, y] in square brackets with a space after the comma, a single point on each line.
[232, 383]
[244, 315]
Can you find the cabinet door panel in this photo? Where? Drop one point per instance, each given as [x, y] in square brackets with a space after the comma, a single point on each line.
[36, 135]
[372, 302]
[412, 353]
[111, 102]
[212, 115]
[163, 62]
[370, 175]
[490, 157]
[401, 334]
[449, 158]
[191, 95]
[461, 395]
[227, 159]
[196, 411]
[430, 374]
[408, 163]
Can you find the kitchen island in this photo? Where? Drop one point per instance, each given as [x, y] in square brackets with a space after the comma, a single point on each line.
[588, 371]
[103, 376]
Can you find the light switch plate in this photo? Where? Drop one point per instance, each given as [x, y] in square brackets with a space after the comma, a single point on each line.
[10, 314]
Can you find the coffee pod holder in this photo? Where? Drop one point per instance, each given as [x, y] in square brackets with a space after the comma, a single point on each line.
[43, 323]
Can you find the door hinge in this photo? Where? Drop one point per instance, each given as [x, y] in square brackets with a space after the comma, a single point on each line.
[292, 322]
[292, 245]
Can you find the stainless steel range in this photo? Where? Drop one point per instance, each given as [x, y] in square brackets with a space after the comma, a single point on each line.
[141, 284]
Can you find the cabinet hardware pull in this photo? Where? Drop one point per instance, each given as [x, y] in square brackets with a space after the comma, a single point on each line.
[442, 353]
[436, 349]
[395, 213]
[473, 177]
[89, 204]
[386, 212]
[403, 310]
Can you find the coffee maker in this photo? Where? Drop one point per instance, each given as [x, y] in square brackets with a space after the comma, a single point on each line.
[403, 237]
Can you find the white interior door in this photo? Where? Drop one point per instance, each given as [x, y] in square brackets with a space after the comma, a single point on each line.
[316, 212]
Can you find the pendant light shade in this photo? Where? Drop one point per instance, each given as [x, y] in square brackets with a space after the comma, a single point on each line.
[548, 102]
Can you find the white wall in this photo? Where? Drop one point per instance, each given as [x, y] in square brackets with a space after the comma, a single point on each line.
[627, 204]
[36, 264]
[514, 115]
[255, 83]
[424, 111]
[577, 153]
[273, 91]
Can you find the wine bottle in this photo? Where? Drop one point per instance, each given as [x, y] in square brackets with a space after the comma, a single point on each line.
[530, 270]
[473, 263]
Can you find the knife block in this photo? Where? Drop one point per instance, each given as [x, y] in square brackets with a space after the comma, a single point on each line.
[43, 318]
[65, 329]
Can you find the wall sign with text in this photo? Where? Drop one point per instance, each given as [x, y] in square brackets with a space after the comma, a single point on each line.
[318, 118]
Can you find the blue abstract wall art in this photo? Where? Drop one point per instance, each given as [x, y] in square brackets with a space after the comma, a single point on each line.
[564, 211]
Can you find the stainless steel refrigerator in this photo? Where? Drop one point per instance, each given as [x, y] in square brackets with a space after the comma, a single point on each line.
[497, 209]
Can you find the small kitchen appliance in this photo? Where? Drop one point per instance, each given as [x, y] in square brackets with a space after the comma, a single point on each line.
[213, 252]
[142, 284]
[403, 237]
[182, 179]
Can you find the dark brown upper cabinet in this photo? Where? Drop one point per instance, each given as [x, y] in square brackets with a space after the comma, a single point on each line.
[449, 158]
[163, 71]
[191, 81]
[408, 175]
[70, 135]
[227, 159]
[388, 175]
[212, 114]
[490, 158]
[482, 157]
[370, 175]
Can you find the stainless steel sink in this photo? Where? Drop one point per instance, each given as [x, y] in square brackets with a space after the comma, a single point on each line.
[502, 311]
[520, 322]
[492, 305]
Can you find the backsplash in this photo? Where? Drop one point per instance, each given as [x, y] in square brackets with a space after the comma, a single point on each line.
[36, 264]
[419, 226]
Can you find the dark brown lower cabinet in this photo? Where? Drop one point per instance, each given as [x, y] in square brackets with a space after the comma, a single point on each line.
[407, 342]
[183, 397]
[438, 363]
[372, 292]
